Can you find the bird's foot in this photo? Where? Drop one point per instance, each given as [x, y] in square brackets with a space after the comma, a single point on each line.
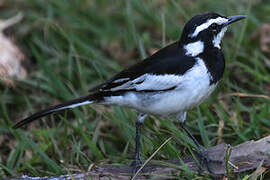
[136, 164]
[204, 159]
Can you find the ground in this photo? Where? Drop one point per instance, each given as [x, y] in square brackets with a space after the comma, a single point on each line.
[71, 46]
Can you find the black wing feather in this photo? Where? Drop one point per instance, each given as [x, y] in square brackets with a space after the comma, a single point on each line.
[169, 60]
[51, 110]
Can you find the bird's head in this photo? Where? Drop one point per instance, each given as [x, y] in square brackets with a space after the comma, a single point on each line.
[205, 30]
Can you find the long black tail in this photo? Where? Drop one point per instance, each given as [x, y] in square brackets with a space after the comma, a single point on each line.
[53, 109]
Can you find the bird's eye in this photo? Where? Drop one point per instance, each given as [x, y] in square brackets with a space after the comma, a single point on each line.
[214, 26]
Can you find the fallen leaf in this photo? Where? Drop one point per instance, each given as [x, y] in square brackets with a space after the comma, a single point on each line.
[11, 57]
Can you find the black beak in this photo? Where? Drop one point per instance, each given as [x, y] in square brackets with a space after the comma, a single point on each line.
[233, 19]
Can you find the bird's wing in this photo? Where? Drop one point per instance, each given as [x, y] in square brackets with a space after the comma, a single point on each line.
[161, 71]
[144, 83]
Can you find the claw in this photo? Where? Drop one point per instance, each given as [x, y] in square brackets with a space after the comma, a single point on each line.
[204, 159]
[136, 164]
[203, 155]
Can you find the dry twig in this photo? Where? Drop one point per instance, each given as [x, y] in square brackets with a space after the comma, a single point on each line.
[246, 156]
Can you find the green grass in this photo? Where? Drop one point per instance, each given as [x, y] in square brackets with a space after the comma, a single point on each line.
[72, 46]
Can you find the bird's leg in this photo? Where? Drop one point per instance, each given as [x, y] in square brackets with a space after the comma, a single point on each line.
[137, 162]
[204, 158]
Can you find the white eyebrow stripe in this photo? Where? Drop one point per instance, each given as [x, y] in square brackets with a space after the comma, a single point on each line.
[204, 26]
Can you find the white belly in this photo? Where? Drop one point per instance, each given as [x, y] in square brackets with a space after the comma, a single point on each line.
[176, 101]
[190, 92]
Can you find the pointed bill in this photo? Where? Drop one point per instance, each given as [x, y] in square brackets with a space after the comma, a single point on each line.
[233, 19]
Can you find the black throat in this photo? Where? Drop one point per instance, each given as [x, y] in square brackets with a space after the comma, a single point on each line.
[214, 60]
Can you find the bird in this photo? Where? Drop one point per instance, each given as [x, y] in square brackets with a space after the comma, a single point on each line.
[173, 80]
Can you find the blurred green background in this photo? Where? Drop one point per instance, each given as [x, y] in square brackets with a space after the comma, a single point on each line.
[71, 46]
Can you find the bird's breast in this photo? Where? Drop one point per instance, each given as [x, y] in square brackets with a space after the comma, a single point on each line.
[215, 63]
[193, 88]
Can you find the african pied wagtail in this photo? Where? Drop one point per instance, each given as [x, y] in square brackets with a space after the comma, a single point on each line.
[171, 81]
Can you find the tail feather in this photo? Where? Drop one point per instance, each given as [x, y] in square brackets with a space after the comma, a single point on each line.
[53, 109]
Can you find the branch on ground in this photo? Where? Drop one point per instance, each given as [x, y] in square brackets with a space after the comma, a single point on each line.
[243, 157]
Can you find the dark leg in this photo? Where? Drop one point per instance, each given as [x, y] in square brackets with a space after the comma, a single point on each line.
[137, 162]
[202, 152]
[199, 146]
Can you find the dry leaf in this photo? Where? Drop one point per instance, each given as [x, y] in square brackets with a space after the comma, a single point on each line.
[11, 56]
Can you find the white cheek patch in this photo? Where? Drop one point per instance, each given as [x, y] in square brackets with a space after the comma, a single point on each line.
[194, 48]
[208, 23]
[218, 37]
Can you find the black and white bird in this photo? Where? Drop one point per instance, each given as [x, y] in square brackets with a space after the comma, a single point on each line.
[171, 81]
